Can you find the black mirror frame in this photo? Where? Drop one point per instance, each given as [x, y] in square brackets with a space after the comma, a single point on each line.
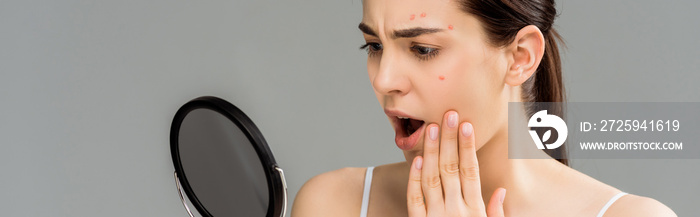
[275, 177]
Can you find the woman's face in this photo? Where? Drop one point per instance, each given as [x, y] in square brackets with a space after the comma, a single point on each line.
[428, 57]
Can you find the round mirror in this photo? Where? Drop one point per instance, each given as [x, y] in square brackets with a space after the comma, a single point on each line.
[222, 162]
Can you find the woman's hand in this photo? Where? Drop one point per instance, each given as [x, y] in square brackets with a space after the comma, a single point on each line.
[445, 181]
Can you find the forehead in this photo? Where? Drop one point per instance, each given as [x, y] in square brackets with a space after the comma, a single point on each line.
[406, 13]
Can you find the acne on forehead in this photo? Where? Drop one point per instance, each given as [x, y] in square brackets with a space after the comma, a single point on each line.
[422, 15]
[381, 18]
[399, 10]
[413, 16]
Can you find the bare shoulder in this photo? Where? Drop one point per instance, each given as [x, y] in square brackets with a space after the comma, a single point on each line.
[334, 193]
[599, 193]
[633, 205]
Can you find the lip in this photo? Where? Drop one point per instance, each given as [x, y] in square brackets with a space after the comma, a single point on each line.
[404, 142]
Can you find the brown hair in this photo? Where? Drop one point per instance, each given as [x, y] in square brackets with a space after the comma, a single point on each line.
[502, 19]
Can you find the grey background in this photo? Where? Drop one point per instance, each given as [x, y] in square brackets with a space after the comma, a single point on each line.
[88, 90]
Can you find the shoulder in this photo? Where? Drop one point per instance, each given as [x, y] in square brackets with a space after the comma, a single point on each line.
[600, 193]
[334, 193]
[633, 205]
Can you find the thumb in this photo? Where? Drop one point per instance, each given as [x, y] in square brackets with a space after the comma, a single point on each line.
[495, 207]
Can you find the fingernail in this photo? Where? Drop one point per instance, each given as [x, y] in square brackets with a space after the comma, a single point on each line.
[452, 120]
[419, 164]
[433, 133]
[503, 196]
[467, 129]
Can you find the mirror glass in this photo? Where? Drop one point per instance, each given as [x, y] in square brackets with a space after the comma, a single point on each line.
[221, 165]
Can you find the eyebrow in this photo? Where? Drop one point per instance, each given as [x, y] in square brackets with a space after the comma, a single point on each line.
[403, 33]
[414, 32]
[365, 29]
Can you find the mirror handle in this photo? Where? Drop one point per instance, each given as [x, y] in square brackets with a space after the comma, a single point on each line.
[284, 192]
[179, 192]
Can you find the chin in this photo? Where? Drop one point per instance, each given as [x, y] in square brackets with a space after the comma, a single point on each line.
[413, 153]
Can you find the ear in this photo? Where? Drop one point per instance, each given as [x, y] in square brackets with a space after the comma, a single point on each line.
[526, 52]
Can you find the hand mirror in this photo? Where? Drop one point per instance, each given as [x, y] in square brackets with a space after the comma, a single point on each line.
[222, 162]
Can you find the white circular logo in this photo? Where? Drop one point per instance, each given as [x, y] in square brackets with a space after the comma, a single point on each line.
[543, 120]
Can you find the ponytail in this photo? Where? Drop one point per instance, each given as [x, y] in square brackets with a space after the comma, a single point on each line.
[547, 86]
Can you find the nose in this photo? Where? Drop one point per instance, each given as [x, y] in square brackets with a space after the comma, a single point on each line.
[392, 78]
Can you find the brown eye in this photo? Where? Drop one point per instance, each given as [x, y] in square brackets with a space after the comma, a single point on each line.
[375, 47]
[424, 53]
[372, 48]
[423, 50]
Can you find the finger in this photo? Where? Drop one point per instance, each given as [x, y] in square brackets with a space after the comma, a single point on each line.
[469, 167]
[495, 208]
[430, 176]
[414, 195]
[449, 160]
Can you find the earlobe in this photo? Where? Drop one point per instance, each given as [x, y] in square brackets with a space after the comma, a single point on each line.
[527, 50]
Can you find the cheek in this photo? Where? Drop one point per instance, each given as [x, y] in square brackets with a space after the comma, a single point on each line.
[457, 85]
[472, 89]
[484, 105]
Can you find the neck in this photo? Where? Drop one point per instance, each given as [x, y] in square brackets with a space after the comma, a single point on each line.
[522, 178]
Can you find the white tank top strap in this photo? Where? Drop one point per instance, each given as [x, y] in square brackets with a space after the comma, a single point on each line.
[610, 202]
[365, 193]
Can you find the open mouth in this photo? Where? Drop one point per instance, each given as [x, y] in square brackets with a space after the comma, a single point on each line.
[409, 125]
[408, 132]
[408, 129]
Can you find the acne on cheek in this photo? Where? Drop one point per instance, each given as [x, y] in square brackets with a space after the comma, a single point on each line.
[413, 16]
[450, 27]
[441, 77]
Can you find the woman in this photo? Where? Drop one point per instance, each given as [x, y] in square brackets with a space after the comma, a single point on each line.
[444, 72]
